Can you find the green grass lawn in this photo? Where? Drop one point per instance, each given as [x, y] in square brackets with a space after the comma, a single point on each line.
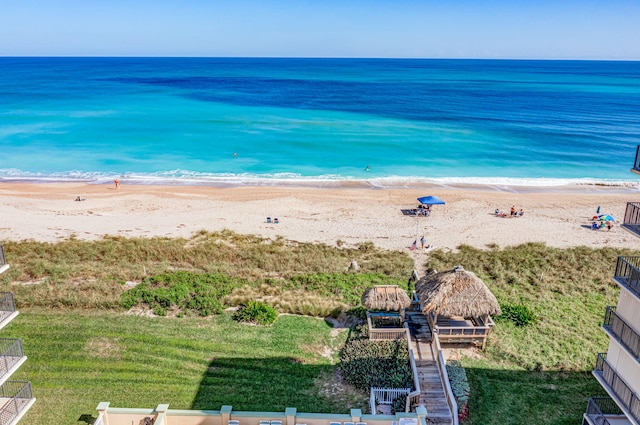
[77, 359]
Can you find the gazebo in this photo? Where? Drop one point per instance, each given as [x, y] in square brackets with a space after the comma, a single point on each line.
[385, 310]
[459, 306]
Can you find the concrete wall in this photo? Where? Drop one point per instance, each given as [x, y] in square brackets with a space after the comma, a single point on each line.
[629, 308]
[625, 365]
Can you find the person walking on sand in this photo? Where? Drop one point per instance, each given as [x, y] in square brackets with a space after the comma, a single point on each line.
[422, 241]
[117, 183]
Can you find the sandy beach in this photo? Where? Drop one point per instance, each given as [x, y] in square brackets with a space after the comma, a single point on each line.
[560, 217]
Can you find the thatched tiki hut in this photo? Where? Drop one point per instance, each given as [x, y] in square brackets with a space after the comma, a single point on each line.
[386, 304]
[385, 298]
[459, 305]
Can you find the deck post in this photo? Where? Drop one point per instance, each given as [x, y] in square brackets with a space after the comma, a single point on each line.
[225, 413]
[290, 413]
[356, 414]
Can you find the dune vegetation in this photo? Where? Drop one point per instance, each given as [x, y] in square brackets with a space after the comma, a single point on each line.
[139, 322]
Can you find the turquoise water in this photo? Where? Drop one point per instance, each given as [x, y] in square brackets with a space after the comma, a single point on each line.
[264, 121]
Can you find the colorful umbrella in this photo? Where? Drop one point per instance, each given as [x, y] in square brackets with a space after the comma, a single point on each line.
[606, 217]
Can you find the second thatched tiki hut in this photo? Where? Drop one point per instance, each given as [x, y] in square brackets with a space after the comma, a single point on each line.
[459, 306]
[385, 315]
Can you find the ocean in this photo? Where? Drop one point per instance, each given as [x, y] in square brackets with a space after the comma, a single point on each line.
[261, 121]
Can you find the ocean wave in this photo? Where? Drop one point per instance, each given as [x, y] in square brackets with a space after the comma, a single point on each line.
[191, 178]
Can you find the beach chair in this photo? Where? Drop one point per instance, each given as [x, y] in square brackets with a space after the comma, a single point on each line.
[268, 219]
[276, 221]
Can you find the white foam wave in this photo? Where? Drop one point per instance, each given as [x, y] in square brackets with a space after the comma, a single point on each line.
[191, 178]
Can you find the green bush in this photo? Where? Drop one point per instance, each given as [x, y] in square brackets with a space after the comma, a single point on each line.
[183, 291]
[256, 312]
[399, 404]
[519, 314]
[365, 364]
[459, 384]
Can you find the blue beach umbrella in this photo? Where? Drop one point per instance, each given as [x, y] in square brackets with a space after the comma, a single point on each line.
[606, 217]
[431, 200]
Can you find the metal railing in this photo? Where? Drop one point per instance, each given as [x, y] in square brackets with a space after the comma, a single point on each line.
[636, 163]
[631, 220]
[444, 377]
[599, 408]
[10, 353]
[630, 400]
[19, 395]
[7, 303]
[628, 273]
[621, 331]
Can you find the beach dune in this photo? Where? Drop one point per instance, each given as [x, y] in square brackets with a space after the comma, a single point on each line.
[560, 217]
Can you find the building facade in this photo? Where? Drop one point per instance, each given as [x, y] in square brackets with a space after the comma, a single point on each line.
[16, 397]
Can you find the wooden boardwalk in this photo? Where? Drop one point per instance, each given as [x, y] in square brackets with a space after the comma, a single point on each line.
[432, 393]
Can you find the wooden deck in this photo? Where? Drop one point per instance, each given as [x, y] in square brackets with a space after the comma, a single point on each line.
[432, 393]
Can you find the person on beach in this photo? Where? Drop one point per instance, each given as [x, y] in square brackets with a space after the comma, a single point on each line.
[609, 225]
[513, 210]
[422, 241]
[117, 183]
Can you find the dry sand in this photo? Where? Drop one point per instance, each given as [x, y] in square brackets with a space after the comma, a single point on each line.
[559, 217]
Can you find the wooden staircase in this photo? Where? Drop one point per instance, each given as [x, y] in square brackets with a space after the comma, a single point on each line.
[432, 395]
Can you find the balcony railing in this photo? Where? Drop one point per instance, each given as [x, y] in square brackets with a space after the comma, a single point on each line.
[17, 398]
[622, 332]
[10, 354]
[3, 261]
[628, 400]
[628, 273]
[631, 220]
[600, 410]
[636, 163]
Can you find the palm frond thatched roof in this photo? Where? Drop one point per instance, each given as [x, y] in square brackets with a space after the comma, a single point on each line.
[456, 292]
[385, 297]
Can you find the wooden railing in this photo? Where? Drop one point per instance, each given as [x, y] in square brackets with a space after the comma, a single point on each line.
[620, 330]
[622, 391]
[412, 396]
[457, 334]
[444, 377]
[386, 334]
[385, 396]
[3, 260]
[599, 408]
[628, 273]
[19, 395]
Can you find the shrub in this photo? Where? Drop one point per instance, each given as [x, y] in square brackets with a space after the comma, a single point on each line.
[459, 385]
[399, 404]
[519, 314]
[256, 312]
[184, 291]
[365, 364]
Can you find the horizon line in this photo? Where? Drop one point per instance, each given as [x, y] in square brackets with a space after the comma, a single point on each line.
[318, 57]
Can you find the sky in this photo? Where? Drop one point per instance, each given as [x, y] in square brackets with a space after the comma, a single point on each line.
[506, 29]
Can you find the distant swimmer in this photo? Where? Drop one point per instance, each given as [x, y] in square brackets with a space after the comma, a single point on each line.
[368, 168]
[235, 154]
